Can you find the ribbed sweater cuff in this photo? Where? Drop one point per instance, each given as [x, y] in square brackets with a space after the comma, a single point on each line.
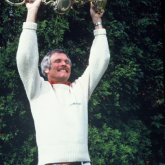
[99, 32]
[30, 25]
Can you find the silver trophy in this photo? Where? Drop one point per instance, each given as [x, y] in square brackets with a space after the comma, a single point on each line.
[62, 6]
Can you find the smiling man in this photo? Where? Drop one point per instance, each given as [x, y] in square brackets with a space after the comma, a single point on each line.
[60, 108]
[56, 66]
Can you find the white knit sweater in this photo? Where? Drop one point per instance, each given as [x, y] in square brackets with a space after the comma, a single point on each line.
[60, 112]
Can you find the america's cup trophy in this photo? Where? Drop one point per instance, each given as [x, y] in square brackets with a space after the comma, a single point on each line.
[62, 6]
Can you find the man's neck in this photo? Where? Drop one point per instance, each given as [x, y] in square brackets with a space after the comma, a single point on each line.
[58, 81]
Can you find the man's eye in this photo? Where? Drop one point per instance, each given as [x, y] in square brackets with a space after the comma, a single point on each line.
[67, 62]
[57, 61]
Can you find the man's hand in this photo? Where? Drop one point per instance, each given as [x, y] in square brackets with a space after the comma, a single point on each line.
[96, 17]
[32, 8]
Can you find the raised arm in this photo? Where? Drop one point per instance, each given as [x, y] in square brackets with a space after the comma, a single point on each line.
[27, 54]
[96, 17]
[32, 8]
[99, 57]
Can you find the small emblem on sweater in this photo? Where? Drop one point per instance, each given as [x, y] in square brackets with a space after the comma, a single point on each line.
[75, 104]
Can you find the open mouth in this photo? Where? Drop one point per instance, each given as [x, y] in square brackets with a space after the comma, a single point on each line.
[63, 70]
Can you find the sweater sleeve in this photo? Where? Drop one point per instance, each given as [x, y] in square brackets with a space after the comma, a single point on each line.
[27, 60]
[98, 62]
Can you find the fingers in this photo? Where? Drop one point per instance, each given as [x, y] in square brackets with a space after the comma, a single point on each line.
[91, 4]
[33, 4]
[101, 14]
[92, 9]
[38, 2]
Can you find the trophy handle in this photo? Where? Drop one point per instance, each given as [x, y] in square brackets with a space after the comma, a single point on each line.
[21, 3]
[15, 4]
[98, 5]
[61, 8]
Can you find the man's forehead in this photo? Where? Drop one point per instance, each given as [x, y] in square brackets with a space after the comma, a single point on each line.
[55, 56]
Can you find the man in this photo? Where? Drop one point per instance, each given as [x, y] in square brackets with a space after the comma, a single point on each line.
[59, 109]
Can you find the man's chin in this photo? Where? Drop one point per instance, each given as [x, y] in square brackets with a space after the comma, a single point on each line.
[63, 79]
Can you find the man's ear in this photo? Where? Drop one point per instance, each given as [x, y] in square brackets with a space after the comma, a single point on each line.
[46, 70]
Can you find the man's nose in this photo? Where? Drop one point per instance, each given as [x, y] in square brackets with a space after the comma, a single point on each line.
[63, 63]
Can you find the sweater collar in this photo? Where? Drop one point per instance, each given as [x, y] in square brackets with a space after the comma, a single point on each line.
[53, 82]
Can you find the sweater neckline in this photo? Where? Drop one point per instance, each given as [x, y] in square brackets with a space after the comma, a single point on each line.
[53, 82]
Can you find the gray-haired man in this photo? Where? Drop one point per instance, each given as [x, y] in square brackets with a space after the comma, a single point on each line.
[60, 108]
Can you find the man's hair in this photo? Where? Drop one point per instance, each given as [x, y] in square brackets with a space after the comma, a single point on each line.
[45, 63]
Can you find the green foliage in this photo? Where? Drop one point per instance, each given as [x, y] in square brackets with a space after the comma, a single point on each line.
[109, 145]
[126, 109]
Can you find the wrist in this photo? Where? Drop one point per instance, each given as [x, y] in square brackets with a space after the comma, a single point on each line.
[31, 16]
[95, 21]
[98, 25]
[96, 18]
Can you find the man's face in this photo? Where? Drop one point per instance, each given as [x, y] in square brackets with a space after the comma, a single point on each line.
[60, 68]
